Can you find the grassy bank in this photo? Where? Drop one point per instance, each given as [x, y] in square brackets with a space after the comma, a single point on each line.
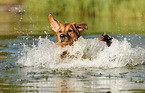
[103, 8]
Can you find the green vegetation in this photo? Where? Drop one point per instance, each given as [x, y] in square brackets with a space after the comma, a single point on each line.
[103, 8]
[10, 1]
[110, 16]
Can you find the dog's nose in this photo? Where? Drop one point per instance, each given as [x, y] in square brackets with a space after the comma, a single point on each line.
[62, 35]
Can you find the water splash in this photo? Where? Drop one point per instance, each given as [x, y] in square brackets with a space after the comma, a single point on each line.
[46, 54]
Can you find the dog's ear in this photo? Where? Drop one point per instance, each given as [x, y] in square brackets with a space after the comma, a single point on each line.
[80, 27]
[54, 24]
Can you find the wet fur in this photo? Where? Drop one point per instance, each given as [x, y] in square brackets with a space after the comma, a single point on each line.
[68, 33]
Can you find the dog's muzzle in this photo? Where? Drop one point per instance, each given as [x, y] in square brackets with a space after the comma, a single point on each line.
[63, 38]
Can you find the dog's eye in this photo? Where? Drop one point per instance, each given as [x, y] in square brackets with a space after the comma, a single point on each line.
[69, 30]
[60, 31]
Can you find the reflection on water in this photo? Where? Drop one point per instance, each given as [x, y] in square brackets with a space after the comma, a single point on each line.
[40, 78]
[40, 69]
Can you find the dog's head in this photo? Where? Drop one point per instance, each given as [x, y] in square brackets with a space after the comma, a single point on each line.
[106, 38]
[66, 33]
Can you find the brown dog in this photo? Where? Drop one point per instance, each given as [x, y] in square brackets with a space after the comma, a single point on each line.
[66, 33]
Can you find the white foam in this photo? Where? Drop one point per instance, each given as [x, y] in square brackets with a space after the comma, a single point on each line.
[47, 54]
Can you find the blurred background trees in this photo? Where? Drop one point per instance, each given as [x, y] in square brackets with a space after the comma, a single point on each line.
[93, 8]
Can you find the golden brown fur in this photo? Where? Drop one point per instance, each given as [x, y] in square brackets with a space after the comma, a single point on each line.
[68, 33]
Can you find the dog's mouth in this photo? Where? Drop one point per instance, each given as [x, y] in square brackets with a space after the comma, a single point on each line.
[64, 40]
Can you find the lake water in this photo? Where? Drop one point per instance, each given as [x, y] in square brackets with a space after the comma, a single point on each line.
[30, 61]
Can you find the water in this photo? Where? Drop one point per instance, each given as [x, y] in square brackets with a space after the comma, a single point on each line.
[46, 54]
[30, 60]
[34, 65]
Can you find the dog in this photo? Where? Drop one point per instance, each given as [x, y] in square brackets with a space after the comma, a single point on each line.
[68, 33]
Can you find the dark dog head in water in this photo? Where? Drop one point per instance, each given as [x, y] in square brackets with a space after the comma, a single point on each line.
[106, 38]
